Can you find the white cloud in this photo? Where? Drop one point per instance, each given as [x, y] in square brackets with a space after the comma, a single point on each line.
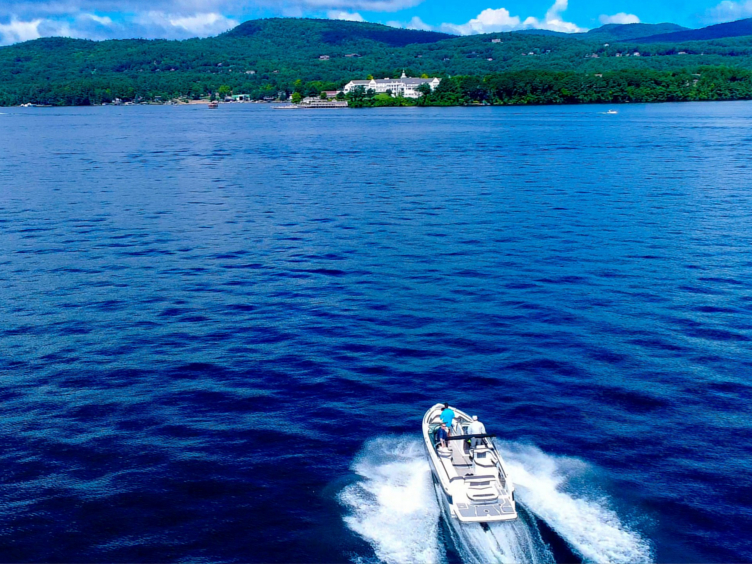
[15, 31]
[344, 5]
[102, 20]
[153, 24]
[499, 19]
[728, 11]
[489, 20]
[347, 16]
[414, 23]
[553, 20]
[203, 24]
[21, 20]
[29, 10]
[417, 23]
[620, 18]
[177, 26]
[177, 19]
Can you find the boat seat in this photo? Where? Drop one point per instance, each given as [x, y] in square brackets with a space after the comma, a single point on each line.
[486, 495]
[481, 488]
[484, 463]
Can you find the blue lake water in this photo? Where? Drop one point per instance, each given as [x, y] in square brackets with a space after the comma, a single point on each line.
[219, 330]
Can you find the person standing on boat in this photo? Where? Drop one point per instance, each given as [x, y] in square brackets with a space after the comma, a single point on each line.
[476, 428]
[447, 415]
[443, 435]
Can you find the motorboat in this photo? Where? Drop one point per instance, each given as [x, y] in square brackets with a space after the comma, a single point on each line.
[469, 472]
[213, 105]
[612, 112]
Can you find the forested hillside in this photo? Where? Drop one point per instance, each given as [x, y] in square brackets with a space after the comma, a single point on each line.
[265, 57]
[626, 32]
[721, 31]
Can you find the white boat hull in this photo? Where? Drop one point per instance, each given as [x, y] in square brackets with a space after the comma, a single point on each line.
[474, 482]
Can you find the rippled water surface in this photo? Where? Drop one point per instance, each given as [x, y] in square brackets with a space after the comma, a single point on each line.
[219, 330]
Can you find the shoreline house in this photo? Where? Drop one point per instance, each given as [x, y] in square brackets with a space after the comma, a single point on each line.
[403, 86]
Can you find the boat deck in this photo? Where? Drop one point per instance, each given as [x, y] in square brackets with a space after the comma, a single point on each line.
[461, 458]
[469, 492]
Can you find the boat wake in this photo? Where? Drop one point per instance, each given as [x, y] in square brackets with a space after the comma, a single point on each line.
[394, 507]
[514, 542]
[587, 524]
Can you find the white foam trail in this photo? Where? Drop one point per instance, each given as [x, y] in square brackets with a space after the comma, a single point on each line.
[589, 526]
[393, 505]
[503, 543]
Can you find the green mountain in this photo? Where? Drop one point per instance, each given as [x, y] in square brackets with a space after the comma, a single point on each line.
[547, 32]
[738, 28]
[611, 32]
[625, 32]
[301, 33]
[265, 57]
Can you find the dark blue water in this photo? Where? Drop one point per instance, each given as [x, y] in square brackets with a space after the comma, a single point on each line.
[219, 330]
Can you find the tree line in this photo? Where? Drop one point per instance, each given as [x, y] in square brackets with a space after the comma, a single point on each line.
[548, 87]
[523, 87]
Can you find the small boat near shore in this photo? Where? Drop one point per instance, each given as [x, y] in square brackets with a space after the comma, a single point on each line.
[315, 104]
[213, 105]
[472, 480]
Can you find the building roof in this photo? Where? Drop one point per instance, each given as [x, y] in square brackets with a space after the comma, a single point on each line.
[402, 80]
[416, 80]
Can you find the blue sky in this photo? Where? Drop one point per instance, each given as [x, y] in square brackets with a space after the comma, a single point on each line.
[21, 20]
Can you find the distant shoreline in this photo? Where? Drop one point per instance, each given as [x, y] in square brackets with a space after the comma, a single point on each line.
[434, 106]
[519, 88]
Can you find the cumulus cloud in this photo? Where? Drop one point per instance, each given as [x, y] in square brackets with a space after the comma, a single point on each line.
[417, 23]
[15, 31]
[499, 19]
[728, 11]
[414, 23]
[149, 25]
[620, 18]
[489, 20]
[21, 20]
[553, 20]
[71, 8]
[40, 8]
[161, 24]
[344, 5]
[342, 15]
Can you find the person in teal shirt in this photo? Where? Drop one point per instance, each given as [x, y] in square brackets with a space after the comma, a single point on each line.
[447, 415]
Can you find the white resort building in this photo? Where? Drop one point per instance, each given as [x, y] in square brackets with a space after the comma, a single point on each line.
[403, 86]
